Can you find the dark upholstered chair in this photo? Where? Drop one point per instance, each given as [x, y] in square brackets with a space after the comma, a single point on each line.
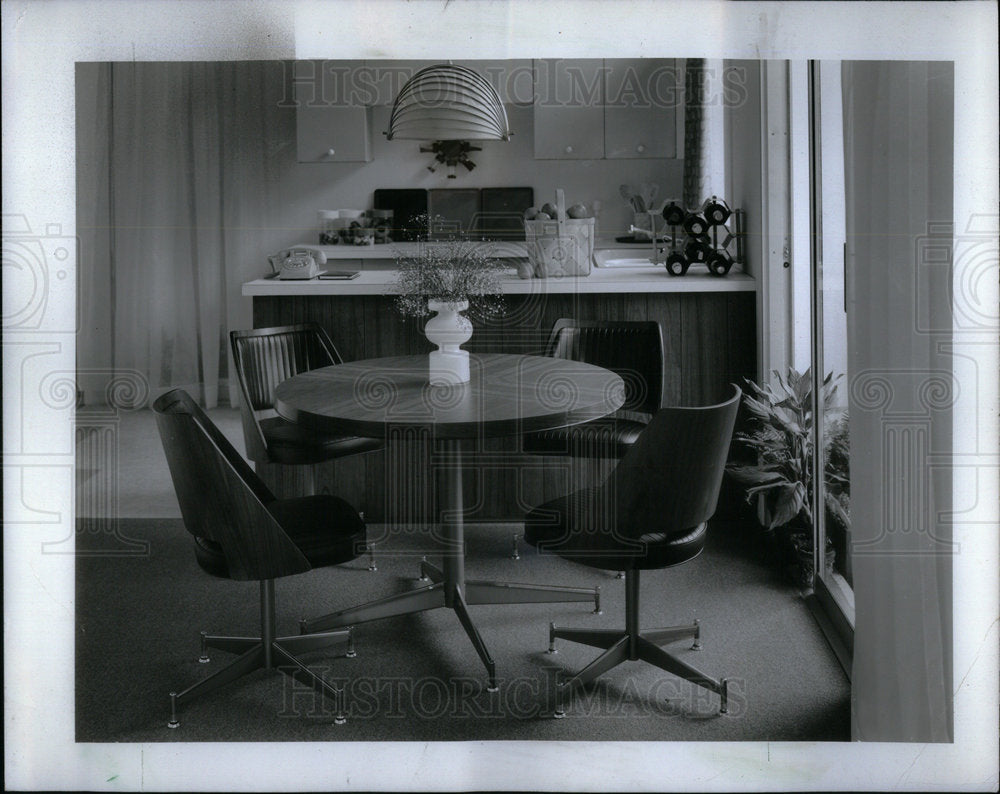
[242, 532]
[264, 357]
[633, 350]
[652, 512]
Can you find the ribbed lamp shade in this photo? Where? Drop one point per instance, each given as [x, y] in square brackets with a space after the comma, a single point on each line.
[448, 103]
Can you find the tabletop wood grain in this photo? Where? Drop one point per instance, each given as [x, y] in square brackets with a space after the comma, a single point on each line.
[506, 395]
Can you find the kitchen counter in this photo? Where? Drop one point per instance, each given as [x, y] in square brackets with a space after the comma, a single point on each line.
[516, 249]
[600, 280]
[376, 264]
[709, 333]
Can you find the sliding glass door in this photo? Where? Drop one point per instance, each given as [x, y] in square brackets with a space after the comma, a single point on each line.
[829, 345]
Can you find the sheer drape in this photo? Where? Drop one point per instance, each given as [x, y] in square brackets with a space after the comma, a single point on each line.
[175, 218]
[899, 166]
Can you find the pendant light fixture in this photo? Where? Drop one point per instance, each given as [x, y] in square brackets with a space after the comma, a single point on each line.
[448, 105]
[446, 102]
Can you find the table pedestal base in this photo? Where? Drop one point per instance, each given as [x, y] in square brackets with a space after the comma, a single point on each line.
[441, 593]
[449, 587]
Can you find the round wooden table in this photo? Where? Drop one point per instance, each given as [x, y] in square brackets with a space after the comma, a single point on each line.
[506, 395]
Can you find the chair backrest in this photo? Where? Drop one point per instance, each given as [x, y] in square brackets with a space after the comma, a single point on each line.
[669, 480]
[631, 349]
[220, 496]
[263, 358]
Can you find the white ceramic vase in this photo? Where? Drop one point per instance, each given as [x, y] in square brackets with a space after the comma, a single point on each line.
[449, 365]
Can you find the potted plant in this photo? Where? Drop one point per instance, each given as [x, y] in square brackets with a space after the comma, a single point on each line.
[446, 278]
[781, 436]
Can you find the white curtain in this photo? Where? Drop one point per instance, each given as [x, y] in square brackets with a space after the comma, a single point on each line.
[174, 185]
[899, 176]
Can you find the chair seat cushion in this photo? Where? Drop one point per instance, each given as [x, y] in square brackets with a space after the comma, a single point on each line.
[580, 527]
[288, 442]
[602, 438]
[327, 530]
[209, 555]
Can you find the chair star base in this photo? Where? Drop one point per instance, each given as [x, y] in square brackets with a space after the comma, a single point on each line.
[267, 652]
[633, 645]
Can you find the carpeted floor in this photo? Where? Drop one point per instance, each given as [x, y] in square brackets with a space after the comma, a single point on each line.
[142, 600]
[418, 677]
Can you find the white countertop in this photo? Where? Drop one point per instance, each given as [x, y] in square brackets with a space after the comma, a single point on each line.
[600, 280]
[517, 249]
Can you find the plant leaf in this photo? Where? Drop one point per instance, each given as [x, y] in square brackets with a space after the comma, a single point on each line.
[753, 475]
[787, 505]
[803, 388]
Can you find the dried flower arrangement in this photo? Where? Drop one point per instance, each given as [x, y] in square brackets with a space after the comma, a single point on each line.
[451, 271]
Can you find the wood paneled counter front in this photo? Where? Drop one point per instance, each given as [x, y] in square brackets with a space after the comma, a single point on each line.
[709, 336]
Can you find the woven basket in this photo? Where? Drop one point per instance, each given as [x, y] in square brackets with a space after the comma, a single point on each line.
[562, 246]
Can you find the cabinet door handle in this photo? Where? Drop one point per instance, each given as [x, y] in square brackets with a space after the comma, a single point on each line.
[640, 148]
[331, 152]
[569, 150]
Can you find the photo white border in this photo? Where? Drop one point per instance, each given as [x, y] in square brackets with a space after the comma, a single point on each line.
[42, 39]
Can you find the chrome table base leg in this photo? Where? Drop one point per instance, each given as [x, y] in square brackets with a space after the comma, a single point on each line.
[420, 600]
[674, 633]
[430, 573]
[485, 592]
[459, 605]
[597, 638]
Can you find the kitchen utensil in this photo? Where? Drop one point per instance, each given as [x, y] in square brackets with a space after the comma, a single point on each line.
[649, 191]
[630, 194]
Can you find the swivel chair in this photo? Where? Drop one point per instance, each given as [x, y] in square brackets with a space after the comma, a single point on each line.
[264, 357]
[632, 349]
[242, 532]
[661, 496]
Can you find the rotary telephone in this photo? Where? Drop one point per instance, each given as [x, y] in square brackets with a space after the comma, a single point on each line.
[301, 262]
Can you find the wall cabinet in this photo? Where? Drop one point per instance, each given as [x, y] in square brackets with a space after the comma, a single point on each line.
[642, 102]
[569, 109]
[610, 109]
[584, 109]
[332, 124]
